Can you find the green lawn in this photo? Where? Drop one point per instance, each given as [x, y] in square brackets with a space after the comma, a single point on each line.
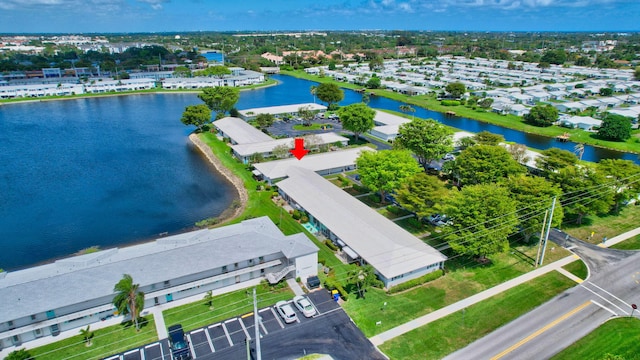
[197, 314]
[107, 341]
[509, 121]
[616, 337]
[629, 244]
[313, 126]
[577, 268]
[444, 336]
[606, 225]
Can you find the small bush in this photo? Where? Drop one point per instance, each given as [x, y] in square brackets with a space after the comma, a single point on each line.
[322, 261]
[258, 187]
[360, 188]
[296, 214]
[416, 282]
[304, 219]
[268, 187]
[450, 102]
[331, 283]
[415, 223]
[393, 209]
[331, 245]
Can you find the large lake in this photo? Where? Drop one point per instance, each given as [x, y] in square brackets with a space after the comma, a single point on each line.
[117, 170]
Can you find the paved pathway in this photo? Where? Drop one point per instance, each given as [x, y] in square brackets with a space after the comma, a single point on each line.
[295, 287]
[379, 339]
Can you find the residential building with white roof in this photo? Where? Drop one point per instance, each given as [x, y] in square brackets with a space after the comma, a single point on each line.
[248, 114]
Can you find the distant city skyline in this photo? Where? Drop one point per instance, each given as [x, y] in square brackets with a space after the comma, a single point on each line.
[117, 16]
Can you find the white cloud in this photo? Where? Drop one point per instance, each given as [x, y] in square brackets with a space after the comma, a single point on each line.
[155, 4]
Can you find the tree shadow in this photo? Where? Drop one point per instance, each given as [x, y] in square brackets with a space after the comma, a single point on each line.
[142, 323]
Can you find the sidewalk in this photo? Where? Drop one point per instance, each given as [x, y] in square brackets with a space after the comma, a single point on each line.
[379, 339]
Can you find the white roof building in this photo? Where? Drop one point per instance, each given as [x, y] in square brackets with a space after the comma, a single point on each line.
[239, 131]
[248, 114]
[396, 254]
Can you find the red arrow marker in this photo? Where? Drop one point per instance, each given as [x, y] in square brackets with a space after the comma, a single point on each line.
[298, 150]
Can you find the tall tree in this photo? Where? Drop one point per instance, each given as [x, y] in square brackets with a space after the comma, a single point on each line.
[385, 171]
[329, 93]
[455, 89]
[519, 153]
[357, 118]
[306, 114]
[554, 159]
[584, 191]
[129, 300]
[422, 194]
[533, 195]
[485, 164]
[87, 335]
[487, 138]
[483, 218]
[624, 179]
[615, 127]
[220, 99]
[541, 115]
[198, 115]
[408, 109]
[362, 278]
[218, 71]
[265, 120]
[313, 90]
[376, 63]
[427, 139]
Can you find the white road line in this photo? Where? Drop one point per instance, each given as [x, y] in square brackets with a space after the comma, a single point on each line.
[226, 332]
[277, 318]
[615, 297]
[604, 307]
[246, 333]
[193, 351]
[601, 297]
[206, 333]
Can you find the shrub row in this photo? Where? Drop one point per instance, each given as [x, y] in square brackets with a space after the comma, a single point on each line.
[450, 102]
[415, 282]
[331, 283]
[331, 245]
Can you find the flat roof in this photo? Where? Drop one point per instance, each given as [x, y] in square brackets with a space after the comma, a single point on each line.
[383, 118]
[281, 109]
[240, 131]
[278, 169]
[390, 249]
[88, 277]
[249, 149]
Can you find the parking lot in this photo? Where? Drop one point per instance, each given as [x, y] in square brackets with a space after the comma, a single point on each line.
[206, 342]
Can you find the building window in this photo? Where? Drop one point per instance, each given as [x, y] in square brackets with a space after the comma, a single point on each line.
[236, 265]
[33, 317]
[166, 284]
[10, 324]
[224, 269]
[261, 259]
[250, 261]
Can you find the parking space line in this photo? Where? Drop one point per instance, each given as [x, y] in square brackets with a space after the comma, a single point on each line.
[604, 307]
[142, 355]
[264, 329]
[277, 317]
[206, 333]
[131, 352]
[193, 351]
[244, 329]
[226, 332]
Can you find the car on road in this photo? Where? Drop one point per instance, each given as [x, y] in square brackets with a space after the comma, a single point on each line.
[286, 312]
[304, 305]
[448, 157]
[178, 343]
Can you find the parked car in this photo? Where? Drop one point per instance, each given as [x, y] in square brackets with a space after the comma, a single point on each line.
[304, 305]
[286, 312]
[178, 343]
[448, 157]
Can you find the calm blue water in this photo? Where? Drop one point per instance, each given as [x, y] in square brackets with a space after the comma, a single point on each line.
[101, 171]
[112, 171]
[213, 56]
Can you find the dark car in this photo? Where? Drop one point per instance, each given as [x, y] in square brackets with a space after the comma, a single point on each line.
[178, 343]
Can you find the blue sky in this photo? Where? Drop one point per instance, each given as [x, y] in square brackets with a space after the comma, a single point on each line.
[75, 16]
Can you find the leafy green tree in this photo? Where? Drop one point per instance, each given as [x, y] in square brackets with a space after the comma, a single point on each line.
[485, 103]
[541, 115]
[357, 118]
[362, 278]
[87, 335]
[422, 194]
[455, 89]
[182, 71]
[220, 99]
[265, 120]
[465, 142]
[533, 195]
[281, 151]
[485, 164]
[376, 63]
[20, 354]
[606, 91]
[129, 300]
[483, 218]
[408, 109]
[518, 153]
[329, 93]
[615, 127]
[554, 159]
[197, 115]
[306, 114]
[385, 171]
[584, 191]
[487, 138]
[218, 71]
[624, 178]
[557, 57]
[427, 139]
[373, 83]
[365, 98]
[583, 61]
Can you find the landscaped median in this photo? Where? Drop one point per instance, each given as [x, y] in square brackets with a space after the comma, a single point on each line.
[453, 332]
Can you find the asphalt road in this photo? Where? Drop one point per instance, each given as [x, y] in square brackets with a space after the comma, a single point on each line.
[614, 284]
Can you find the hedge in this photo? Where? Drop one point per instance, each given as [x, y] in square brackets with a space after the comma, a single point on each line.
[333, 284]
[450, 102]
[415, 282]
[331, 245]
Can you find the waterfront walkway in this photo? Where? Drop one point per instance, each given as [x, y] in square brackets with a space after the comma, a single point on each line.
[379, 339]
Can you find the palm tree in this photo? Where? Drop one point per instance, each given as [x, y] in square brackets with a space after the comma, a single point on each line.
[579, 150]
[129, 300]
[313, 90]
[208, 298]
[87, 335]
[366, 98]
[407, 109]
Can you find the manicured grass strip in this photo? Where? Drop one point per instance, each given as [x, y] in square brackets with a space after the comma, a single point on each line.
[629, 244]
[313, 126]
[577, 268]
[444, 336]
[616, 337]
[197, 314]
[107, 341]
[605, 225]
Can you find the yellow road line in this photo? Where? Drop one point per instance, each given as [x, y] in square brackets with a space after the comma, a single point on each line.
[246, 315]
[540, 331]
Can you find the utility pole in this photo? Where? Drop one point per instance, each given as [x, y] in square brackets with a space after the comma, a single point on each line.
[546, 237]
[544, 223]
[255, 324]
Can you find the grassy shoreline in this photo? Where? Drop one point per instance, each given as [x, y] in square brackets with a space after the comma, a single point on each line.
[429, 102]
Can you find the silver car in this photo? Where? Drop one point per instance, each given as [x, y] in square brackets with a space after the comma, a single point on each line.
[304, 305]
[286, 312]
